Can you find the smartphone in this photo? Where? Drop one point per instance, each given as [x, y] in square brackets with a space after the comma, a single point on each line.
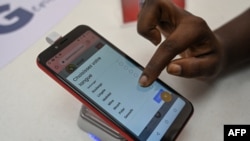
[105, 80]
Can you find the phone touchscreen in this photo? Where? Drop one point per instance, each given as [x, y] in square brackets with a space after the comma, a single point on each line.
[101, 74]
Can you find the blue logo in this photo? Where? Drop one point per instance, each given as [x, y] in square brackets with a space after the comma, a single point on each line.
[157, 97]
[23, 16]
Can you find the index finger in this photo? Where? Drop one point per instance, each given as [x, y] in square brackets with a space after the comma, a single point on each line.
[161, 58]
[176, 43]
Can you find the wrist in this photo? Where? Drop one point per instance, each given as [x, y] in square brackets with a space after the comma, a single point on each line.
[233, 38]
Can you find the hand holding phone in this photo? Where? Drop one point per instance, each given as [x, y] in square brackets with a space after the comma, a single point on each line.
[106, 80]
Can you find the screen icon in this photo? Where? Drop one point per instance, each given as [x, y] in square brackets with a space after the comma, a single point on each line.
[165, 96]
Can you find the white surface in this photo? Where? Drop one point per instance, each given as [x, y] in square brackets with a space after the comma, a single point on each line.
[34, 107]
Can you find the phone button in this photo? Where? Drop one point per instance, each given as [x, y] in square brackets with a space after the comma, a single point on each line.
[158, 115]
[166, 121]
[175, 110]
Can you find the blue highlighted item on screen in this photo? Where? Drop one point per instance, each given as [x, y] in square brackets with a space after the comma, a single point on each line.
[157, 97]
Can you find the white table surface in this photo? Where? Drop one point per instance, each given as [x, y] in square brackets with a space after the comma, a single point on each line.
[34, 108]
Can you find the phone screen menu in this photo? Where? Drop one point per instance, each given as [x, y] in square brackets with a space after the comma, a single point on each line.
[111, 81]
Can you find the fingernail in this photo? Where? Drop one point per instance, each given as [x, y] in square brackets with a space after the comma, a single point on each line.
[174, 69]
[143, 80]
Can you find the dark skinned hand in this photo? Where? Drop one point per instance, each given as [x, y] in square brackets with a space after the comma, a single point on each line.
[185, 34]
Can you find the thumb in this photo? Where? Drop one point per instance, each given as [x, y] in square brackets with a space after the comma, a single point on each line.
[193, 67]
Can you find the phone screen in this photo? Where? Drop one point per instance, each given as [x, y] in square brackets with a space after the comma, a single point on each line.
[108, 79]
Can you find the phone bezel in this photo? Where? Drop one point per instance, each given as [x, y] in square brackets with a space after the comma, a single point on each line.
[63, 42]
